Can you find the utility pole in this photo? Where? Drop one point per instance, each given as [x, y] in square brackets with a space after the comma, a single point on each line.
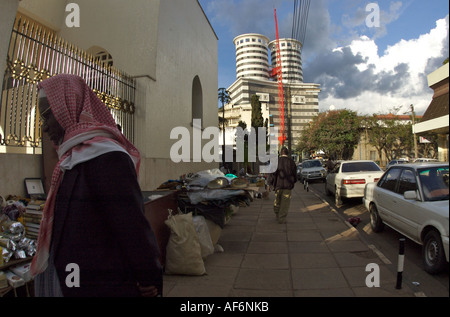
[416, 154]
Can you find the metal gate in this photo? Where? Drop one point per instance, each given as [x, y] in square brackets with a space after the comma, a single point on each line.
[36, 53]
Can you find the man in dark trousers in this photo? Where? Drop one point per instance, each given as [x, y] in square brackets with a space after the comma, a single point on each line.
[282, 182]
[94, 239]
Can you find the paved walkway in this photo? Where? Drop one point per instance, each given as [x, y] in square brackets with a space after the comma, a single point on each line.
[315, 254]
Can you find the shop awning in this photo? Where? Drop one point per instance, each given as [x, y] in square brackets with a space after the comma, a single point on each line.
[436, 118]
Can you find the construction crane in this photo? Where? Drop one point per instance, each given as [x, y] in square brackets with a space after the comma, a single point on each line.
[276, 71]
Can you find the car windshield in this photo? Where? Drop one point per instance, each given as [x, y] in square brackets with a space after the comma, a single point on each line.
[352, 167]
[309, 164]
[434, 182]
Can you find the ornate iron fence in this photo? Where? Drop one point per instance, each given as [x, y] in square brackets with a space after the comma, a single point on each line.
[36, 53]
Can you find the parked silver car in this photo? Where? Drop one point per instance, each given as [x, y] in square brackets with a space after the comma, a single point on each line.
[413, 199]
[312, 170]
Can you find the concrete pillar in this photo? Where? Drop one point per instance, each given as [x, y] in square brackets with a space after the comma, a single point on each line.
[443, 147]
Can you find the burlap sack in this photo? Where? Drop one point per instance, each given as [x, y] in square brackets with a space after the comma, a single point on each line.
[183, 252]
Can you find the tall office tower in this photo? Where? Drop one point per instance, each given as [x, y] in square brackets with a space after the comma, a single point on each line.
[291, 59]
[252, 56]
[301, 100]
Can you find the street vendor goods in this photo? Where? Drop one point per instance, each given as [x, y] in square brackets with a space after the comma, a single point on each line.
[183, 249]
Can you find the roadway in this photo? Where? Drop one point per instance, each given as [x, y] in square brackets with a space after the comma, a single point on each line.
[387, 245]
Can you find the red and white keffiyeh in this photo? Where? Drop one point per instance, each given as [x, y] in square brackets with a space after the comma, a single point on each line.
[90, 131]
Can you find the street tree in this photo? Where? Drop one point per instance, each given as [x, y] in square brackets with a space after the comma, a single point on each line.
[224, 98]
[257, 117]
[335, 132]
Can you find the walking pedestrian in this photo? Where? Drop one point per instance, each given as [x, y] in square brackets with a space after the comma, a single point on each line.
[330, 164]
[93, 232]
[282, 181]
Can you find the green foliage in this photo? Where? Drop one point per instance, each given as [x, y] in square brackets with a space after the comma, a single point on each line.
[334, 132]
[242, 124]
[257, 117]
[337, 133]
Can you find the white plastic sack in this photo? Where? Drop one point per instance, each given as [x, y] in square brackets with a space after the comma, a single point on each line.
[183, 252]
[202, 178]
[204, 236]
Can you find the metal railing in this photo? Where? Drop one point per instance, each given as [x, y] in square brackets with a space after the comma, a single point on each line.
[36, 53]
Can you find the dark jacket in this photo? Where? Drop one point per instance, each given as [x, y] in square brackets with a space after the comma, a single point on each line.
[100, 225]
[285, 175]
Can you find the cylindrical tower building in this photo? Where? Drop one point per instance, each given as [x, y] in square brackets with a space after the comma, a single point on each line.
[252, 56]
[291, 59]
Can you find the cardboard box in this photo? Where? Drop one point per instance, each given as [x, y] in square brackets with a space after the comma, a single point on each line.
[23, 271]
[14, 280]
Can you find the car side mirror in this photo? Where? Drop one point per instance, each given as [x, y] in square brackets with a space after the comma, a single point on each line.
[410, 195]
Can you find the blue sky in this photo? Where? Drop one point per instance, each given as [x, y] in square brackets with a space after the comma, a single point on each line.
[361, 68]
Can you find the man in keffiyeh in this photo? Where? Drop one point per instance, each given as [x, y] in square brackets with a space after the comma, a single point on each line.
[94, 214]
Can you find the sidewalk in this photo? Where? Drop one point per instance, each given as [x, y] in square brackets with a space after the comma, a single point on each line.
[315, 254]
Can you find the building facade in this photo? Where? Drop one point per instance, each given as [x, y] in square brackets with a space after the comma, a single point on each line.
[301, 100]
[291, 59]
[436, 117]
[173, 67]
[252, 60]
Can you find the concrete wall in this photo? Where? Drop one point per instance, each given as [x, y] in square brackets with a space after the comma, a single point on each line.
[164, 44]
[126, 29]
[14, 168]
[187, 48]
[8, 10]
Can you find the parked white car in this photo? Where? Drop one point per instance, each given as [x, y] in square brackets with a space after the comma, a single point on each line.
[413, 200]
[424, 159]
[349, 178]
[312, 170]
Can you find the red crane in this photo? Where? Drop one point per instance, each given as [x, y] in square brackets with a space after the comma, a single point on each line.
[277, 72]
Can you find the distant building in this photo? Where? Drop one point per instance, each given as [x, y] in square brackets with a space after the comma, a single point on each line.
[366, 151]
[301, 100]
[436, 118]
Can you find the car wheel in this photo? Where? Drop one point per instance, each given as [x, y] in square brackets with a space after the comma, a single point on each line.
[376, 223]
[433, 253]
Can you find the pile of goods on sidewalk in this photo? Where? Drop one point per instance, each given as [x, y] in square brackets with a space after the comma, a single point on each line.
[17, 239]
[206, 202]
[14, 239]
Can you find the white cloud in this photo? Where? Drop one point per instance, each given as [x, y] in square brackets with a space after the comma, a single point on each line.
[378, 83]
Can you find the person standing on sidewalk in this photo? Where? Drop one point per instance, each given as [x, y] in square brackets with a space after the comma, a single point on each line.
[282, 181]
[93, 221]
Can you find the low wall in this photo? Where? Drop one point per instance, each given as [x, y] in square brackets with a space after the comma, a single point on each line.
[14, 168]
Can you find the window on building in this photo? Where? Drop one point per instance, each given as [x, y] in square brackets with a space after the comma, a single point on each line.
[197, 99]
[105, 58]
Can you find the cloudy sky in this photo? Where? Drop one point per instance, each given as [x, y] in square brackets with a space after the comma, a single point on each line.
[359, 66]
